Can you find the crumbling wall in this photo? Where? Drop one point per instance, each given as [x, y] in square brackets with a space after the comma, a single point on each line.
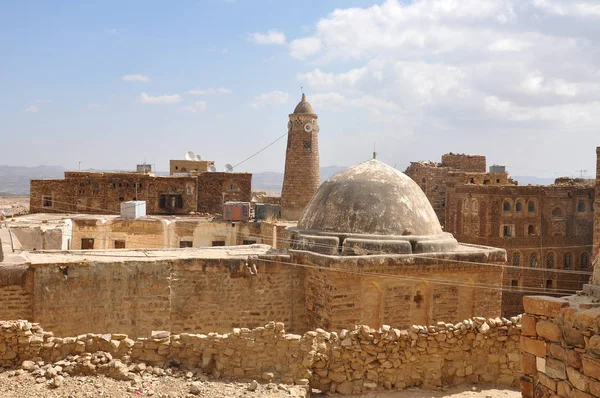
[464, 162]
[351, 361]
[560, 347]
[16, 288]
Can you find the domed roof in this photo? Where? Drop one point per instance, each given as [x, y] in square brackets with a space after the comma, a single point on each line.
[304, 106]
[370, 198]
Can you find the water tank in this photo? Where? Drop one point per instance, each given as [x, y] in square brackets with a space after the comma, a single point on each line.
[236, 211]
[267, 211]
[133, 209]
[497, 169]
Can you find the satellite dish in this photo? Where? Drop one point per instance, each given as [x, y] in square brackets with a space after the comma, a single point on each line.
[197, 158]
[189, 155]
[213, 169]
[228, 168]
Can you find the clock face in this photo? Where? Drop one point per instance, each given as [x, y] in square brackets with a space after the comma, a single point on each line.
[308, 127]
[289, 125]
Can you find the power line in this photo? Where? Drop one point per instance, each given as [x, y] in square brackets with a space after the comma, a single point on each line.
[256, 153]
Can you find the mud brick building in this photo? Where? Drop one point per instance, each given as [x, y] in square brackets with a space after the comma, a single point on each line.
[102, 192]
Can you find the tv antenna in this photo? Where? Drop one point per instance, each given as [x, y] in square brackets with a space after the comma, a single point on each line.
[582, 172]
[189, 155]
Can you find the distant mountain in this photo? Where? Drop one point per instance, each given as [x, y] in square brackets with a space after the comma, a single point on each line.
[15, 180]
[272, 181]
[526, 180]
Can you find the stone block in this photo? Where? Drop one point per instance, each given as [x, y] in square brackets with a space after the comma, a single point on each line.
[591, 366]
[528, 325]
[540, 364]
[578, 380]
[547, 381]
[572, 336]
[557, 352]
[544, 305]
[564, 388]
[587, 319]
[532, 346]
[593, 345]
[526, 383]
[556, 369]
[594, 387]
[548, 330]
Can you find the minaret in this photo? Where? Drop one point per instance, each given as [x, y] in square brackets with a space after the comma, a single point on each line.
[302, 174]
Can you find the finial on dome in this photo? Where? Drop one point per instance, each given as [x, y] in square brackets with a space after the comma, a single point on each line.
[303, 106]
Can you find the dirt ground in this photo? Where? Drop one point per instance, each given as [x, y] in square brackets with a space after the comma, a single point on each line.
[22, 384]
[14, 205]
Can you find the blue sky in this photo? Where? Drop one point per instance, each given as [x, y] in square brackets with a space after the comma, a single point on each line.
[111, 83]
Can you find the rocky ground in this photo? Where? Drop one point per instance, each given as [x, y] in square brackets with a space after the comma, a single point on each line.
[98, 375]
[14, 205]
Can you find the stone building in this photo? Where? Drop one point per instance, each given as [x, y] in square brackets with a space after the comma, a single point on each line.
[103, 192]
[382, 257]
[455, 169]
[302, 175]
[544, 229]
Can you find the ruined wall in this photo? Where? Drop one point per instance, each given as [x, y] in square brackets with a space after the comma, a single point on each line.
[414, 291]
[351, 361]
[135, 297]
[214, 189]
[475, 163]
[540, 227]
[560, 347]
[16, 287]
[98, 193]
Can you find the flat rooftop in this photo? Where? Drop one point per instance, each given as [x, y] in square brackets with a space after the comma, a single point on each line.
[116, 255]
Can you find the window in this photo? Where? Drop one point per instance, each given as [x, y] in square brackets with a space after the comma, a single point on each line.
[472, 180]
[514, 283]
[306, 145]
[47, 201]
[531, 207]
[119, 244]
[508, 231]
[568, 261]
[506, 207]
[533, 260]
[497, 181]
[248, 242]
[549, 284]
[531, 229]
[581, 207]
[585, 260]
[550, 260]
[95, 186]
[232, 187]
[475, 206]
[121, 199]
[557, 212]
[516, 259]
[218, 243]
[170, 202]
[87, 243]
[519, 206]
[486, 182]
[185, 243]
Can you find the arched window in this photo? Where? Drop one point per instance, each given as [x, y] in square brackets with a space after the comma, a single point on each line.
[557, 212]
[506, 206]
[467, 205]
[531, 229]
[585, 260]
[581, 207]
[516, 259]
[519, 206]
[533, 260]
[550, 260]
[474, 206]
[568, 261]
[531, 207]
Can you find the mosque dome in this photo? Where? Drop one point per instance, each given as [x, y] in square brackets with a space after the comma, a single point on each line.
[373, 206]
[304, 106]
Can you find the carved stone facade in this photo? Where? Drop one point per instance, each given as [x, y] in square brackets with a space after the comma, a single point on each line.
[102, 192]
[302, 175]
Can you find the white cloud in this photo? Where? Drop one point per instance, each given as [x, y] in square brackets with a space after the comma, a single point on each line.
[271, 37]
[135, 78]
[161, 99]
[210, 91]
[270, 98]
[198, 106]
[32, 109]
[320, 80]
[569, 7]
[303, 48]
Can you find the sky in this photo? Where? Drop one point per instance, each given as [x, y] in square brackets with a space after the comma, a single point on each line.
[115, 83]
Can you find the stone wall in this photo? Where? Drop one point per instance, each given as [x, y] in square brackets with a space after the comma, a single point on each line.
[351, 361]
[135, 297]
[214, 189]
[551, 227]
[560, 346]
[460, 161]
[16, 288]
